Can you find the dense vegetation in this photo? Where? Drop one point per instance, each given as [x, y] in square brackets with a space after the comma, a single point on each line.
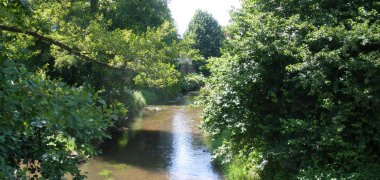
[296, 93]
[293, 94]
[73, 69]
[47, 121]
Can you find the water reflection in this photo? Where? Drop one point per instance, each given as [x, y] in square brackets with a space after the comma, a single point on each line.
[148, 149]
[190, 159]
[164, 144]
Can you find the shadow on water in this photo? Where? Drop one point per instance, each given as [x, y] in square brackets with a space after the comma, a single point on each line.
[163, 143]
[147, 149]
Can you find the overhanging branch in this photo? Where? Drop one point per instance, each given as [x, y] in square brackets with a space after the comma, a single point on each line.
[59, 44]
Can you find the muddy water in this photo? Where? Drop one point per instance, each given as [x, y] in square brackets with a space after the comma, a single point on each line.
[164, 143]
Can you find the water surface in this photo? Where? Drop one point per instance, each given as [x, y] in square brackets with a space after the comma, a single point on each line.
[164, 143]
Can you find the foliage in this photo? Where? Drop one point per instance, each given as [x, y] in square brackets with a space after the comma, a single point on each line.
[298, 83]
[187, 50]
[41, 118]
[134, 100]
[146, 57]
[190, 59]
[192, 82]
[76, 43]
[243, 167]
[204, 34]
[160, 95]
[138, 15]
[150, 95]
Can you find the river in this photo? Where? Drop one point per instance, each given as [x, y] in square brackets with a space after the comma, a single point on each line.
[163, 143]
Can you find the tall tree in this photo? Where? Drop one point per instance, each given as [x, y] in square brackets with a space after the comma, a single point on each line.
[206, 33]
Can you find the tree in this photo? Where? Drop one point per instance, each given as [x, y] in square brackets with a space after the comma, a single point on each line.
[62, 63]
[296, 92]
[86, 36]
[138, 15]
[205, 34]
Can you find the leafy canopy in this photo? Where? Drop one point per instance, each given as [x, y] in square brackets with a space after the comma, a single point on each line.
[72, 24]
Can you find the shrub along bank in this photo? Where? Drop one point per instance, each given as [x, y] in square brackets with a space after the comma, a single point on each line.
[296, 93]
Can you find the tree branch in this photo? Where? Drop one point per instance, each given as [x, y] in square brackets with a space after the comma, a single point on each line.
[73, 51]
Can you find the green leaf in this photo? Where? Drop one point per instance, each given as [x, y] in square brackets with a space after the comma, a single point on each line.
[101, 101]
[114, 117]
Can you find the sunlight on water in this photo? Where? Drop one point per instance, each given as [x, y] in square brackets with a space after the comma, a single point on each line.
[164, 143]
[189, 159]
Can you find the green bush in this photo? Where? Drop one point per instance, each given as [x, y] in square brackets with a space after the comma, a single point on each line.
[299, 83]
[45, 121]
[139, 100]
[243, 168]
[192, 82]
[121, 113]
[134, 100]
[158, 95]
[150, 96]
[235, 166]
